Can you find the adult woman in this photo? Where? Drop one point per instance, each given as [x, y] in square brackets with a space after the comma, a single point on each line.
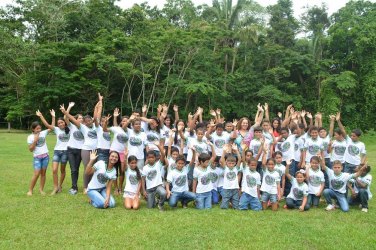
[99, 187]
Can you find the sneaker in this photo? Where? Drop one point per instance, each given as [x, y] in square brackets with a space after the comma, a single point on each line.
[160, 207]
[329, 207]
[365, 210]
[73, 191]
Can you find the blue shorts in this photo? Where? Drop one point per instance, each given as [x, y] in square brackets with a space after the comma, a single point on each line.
[41, 163]
[60, 156]
[265, 197]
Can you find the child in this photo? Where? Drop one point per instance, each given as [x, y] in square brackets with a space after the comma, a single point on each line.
[179, 178]
[151, 176]
[99, 187]
[316, 180]
[256, 145]
[132, 182]
[312, 146]
[270, 182]
[231, 179]
[251, 183]
[280, 168]
[202, 184]
[297, 197]
[219, 138]
[37, 145]
[361, 191]
[338, 182]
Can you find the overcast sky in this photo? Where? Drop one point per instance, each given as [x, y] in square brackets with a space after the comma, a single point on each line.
[333, 5]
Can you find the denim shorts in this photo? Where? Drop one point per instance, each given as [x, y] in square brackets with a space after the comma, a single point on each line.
[41, 162]
[60, 156]
[265, 197]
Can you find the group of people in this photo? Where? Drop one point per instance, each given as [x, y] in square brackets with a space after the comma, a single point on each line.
[235, 163]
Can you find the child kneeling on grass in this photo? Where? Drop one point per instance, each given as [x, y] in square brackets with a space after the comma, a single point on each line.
[231, 178]
[297, 198]
[178, 177]
[337, 183]
[132, 182]
[360, 189]
[251, 183]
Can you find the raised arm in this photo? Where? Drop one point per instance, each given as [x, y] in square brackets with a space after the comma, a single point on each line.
[341, 127]
[90, 166]
[309, 115]
[303, 114]
[45, 123]
[266, 108]
[70, 117]
[176, 112]
[70, 106]
[331, 126]
[287, 173]
[98, 110]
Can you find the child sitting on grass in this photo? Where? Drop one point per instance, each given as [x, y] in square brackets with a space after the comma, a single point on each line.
[360, 189]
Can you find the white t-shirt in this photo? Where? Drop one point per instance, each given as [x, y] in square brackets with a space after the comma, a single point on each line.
[188, 138]
[120, 139]
[136, 144]
[298, 190]
[153, 136]
[104, 138]
[179, 179]
[214, 177]
[131, 181]
[338, 182]
[200, 146]
[152, 174]
[338, 150]
[90, 135]
[280, 168]
[101, 176]
[203, 177]
[220, 172]
[250, 181]
[354, 151]
[316, 178]
[219, 142]
[270, 181]
[76, 138]
[298, 148]
[254, 146]
[165, 133]
[61, 139]
[367, 179]
[41, 146]
[325, 145]
[312, 148]
[171, 166]
[231, 180]
[287, 147]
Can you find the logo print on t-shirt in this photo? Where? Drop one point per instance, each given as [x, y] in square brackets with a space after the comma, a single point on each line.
[205, 180]
[340, 150]
[251, 181]
[133, 179]
[213, 177]
[269, 180]
[314, 180]
[152, 137]
[106, 136]
[92, 134]
[353, 150]
[78, 136]
[231, 175]
[172, 166]
[181, 180]
[296, 147]
[199, 150]
[64, 137]
[297, 193]
[337, 184]
[219, 143]
[122, 138]
[325, 145]
[286, 146]
[102, 178]
[41, 141]
[313, 149]
[151, 175]
[135, 141]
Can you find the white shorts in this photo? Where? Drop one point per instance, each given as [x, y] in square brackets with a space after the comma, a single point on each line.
[130, 195]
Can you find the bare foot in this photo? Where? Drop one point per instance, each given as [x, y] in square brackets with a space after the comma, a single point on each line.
[30, 193]
[55, 191]
[42, 192]
[85, 191]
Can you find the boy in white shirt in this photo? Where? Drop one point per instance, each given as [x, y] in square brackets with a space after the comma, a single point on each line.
[360, 189]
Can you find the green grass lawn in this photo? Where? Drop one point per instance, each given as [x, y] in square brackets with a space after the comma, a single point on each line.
[65, 221]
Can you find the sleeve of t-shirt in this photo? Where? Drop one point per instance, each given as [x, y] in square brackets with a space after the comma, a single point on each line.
[113, 175]
[305, 145]
[143, 172]
[258, 180]
[56, 130]
[363, 149]
[30, 139]
[195, 174]
[97, 165]
[83, 129]
[169, 177]
[44, 133]
[322, 178]
[305, 190]
[329, 171]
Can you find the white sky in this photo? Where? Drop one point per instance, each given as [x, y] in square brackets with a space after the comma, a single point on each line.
[298, 5]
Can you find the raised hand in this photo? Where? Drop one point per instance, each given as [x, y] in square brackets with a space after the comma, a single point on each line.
[93, 155]
[234, 123]
[164, 108]
[279, 114]
[234, 148]
[52, 112]
[303, 113]
[332, 117]
[259, 107]
[70, 105]
[38, 113]
[62, 109]
[159, 108]
[200, 110]
[176, 108]
[100, 97]
[212, 112]
[309, 115]
[218, 111]
[190, 116]
[338, 116]
[107, 118]
[116, 112]
[288, 162]
[144, 108]
[266, 107]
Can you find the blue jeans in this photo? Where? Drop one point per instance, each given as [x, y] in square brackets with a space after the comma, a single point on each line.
[361, 197]
[161, 191]
[60, 156]
[230, 195]
[220, 191]
[184, 197]
[247, 200]
[349, 168]
[295, 204]
[292, 171]
[341, 198]
[98, 196]
[203, 200]
[265, 197]
[215, 196]
[103, 154]
[313, 200]
[41, 163]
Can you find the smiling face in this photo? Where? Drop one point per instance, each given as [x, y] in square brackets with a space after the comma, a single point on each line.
[270, 165]
[323, 133]
[200, 134]
[37, 129]
[88, 122]
[174, 154]
[258, 134]
[275, 124]
[80, 118]
[300, 178]
[133, 164]
[230, 163]
[266, 126]
[284, 134]
[338, 137]
[151, 159]
[113, 158]
[252, 165]
[337, 168]
[180, 165]
[244, 125]
[314, 164]
[354, 137]
[248, 156]
[314, 133]
[229, 127]
[219, 131]
[124, 122]
[61, 124]
[167, 122]
[278, 159]
[137, 126]
[153, 124]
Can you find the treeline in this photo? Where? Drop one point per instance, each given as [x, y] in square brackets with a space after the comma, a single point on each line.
[226, 56]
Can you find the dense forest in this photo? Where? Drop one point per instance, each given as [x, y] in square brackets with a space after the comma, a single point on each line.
[226, 55]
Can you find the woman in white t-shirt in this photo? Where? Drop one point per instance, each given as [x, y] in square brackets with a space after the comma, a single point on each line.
[37, 145]
[99, 187]
[60, 150]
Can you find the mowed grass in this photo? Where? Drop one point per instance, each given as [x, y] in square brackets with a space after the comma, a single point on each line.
[65, 221]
